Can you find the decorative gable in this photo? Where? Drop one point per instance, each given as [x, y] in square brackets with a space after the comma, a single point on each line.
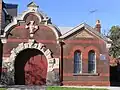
[84, 34]
[30, 24]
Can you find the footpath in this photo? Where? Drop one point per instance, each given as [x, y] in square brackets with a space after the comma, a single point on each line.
[109, 87]
[23, 87]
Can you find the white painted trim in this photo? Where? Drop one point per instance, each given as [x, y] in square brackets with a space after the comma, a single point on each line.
[21, 18]
[5, 11]
[52, 63]
[81, 26]
[16, 19]
[72, 31]
[10, 25]
[3, 40]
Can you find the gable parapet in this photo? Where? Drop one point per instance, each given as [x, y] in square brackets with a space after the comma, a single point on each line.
[43, 19]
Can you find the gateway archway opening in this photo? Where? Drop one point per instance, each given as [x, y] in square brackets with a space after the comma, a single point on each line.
[30, 68]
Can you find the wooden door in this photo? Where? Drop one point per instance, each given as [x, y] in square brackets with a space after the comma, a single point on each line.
[31, 68]
[35, 71]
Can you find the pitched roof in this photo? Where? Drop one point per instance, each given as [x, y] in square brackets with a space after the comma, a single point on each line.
[64, 29]
[87, 27]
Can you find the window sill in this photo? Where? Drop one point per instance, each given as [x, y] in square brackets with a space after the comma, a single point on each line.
[86, 74]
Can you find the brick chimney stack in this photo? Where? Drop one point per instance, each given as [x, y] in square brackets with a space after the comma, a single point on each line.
[98, 26]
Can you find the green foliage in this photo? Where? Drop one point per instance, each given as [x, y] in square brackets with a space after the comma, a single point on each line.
[114, 51]
[3, 89]
[66, 88]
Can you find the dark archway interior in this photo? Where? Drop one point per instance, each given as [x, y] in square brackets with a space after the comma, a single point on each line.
[115, 75]
[20, 62]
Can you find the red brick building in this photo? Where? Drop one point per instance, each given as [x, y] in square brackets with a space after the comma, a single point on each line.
[34, 52]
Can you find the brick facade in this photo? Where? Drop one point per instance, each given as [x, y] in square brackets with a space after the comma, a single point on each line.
[85, 45]
[80, 38]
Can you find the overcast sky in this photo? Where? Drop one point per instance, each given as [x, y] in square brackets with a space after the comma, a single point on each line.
[73, 12]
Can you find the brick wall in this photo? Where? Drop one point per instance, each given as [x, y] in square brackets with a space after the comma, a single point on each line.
[101, 78]
[0, 14]
[19, 34]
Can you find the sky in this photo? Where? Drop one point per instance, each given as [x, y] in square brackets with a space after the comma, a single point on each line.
[70, 13]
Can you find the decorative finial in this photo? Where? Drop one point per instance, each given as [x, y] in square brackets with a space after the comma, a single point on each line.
[32, 5]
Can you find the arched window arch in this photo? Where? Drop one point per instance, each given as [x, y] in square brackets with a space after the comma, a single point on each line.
[91, 61]
[77, 62]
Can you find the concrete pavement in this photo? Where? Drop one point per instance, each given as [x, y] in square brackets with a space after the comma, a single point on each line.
[109, 87]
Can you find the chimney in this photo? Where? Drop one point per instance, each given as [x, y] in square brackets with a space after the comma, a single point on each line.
[98, 26]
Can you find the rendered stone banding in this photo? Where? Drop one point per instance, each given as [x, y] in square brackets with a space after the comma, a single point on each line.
[53, 63]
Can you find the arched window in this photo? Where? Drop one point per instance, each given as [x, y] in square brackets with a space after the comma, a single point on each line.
[91, 62]
[77, 62]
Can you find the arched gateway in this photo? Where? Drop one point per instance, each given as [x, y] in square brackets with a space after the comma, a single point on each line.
[30, 64]
[30, 68]
[26, 60]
